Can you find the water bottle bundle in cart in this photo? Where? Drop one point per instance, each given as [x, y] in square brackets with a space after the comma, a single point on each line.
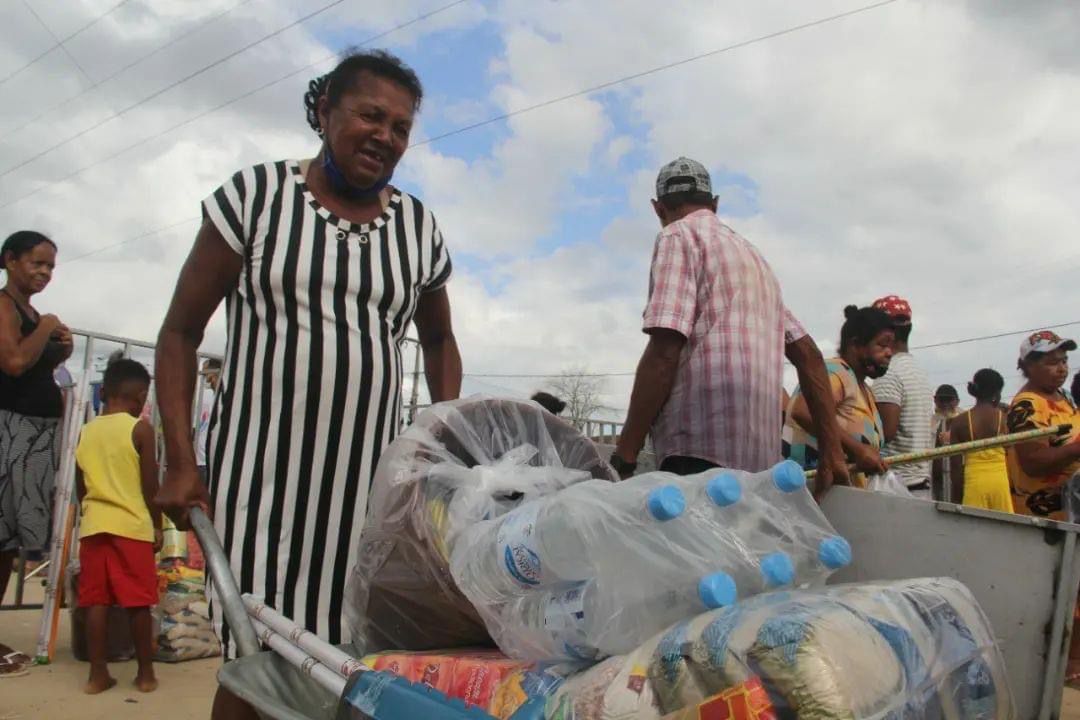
[494, 530]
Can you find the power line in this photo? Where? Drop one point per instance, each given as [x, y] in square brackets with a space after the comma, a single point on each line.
[147, 234]
[919, 347]
[165, 89]
[653, 71]
[60, 43]
[138, 61]
[995, 337]
[227, 103]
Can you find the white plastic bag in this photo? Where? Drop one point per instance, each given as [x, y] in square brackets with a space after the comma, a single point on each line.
[889, 483]
[458, 463]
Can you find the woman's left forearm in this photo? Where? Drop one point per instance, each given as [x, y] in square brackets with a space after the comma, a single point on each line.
[442, 367]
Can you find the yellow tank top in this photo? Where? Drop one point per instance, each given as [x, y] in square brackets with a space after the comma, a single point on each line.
[992, 457]
[109, 462]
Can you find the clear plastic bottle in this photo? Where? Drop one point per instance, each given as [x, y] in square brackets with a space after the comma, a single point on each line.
[558, 539]
[590, 620]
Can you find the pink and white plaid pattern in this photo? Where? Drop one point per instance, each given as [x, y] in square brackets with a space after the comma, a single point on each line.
[713, 287]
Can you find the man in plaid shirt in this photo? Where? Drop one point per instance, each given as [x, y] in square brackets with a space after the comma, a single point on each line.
[709, 384]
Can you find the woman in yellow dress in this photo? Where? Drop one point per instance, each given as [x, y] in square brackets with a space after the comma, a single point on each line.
[981, 477]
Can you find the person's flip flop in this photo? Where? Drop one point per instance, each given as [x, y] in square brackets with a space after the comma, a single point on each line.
[10, 668]
[1072, 681]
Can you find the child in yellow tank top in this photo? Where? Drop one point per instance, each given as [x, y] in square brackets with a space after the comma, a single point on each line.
[116, 480]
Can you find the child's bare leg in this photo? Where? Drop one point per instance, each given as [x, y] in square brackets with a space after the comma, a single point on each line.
[97, 618]
[142, 632]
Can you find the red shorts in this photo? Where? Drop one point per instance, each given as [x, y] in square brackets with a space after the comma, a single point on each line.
[117, 570]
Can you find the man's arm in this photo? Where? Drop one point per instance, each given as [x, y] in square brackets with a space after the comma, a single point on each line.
[817, 390]
[442, 360]
[211, 271]
[652, 386]
[890, 419]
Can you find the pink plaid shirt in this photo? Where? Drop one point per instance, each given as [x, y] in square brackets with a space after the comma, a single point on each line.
[713, 287]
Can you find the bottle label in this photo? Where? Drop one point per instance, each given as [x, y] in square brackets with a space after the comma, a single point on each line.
[516, 542]
[564, 619]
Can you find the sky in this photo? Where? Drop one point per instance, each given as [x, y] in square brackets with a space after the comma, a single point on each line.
[920, 147]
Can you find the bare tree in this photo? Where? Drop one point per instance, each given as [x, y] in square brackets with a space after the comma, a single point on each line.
[580, 391]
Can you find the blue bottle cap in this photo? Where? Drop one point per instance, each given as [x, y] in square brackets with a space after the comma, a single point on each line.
[777, 569]
[666, 502]
[788, 476]
[834, 552]
[717, 590]
[724, 489]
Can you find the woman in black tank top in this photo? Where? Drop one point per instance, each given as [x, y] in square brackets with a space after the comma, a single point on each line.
[31, 346]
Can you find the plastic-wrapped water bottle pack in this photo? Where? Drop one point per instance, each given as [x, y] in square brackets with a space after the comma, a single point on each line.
[594, 569]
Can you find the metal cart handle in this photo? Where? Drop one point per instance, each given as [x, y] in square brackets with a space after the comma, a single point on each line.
[247, 643]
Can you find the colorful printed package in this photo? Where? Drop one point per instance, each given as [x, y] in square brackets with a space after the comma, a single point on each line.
[482, 678]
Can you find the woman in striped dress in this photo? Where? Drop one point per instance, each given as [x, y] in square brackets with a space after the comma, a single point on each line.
[323, 265]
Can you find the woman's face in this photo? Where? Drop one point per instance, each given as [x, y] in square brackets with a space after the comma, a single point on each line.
[368, 130]
[32, 271]
[875, 356]
[1049, 372]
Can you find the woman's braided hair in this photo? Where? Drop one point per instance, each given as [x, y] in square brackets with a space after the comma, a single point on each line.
[354, 62]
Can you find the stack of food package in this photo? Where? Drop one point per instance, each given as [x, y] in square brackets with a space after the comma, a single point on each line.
[182, 612]
[892, 651]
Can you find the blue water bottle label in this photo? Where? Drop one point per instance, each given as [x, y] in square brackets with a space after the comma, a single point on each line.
[516, 541]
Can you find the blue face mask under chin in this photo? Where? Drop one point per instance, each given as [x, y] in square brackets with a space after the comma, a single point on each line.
[343, 187]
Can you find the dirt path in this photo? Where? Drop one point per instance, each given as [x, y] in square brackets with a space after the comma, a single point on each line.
[55, 690]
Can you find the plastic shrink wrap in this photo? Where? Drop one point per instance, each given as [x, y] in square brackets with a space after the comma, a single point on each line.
[459, 463]
[910, 650]
[595, 569]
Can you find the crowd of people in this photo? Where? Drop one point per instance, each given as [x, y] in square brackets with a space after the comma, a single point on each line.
[323, 265]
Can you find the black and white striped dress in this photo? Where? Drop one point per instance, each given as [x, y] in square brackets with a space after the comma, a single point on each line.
[310, 390]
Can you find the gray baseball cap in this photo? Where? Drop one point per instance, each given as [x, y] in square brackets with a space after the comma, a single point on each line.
[682, 175]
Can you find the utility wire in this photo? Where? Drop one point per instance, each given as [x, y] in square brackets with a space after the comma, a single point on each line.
[227, 103]
[147, 234]
[761, 38]
[654, 70]
[60, 43]
[138, 61]
[170, 86]
[963, 341]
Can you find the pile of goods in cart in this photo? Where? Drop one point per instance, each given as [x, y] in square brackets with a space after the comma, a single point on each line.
[495, 525]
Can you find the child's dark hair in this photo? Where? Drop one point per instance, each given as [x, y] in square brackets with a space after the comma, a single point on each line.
[21, 242]
[549, 402]
[986, 385]
[121, 372]
[1075, 389]
[354, 62]
[862, 325]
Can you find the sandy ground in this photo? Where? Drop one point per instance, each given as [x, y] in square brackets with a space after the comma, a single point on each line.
[55, 691]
